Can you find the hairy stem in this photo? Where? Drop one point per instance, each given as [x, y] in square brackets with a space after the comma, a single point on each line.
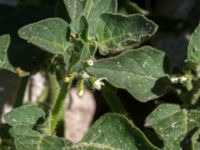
[59, 104]
[21, 91]
[54, 88]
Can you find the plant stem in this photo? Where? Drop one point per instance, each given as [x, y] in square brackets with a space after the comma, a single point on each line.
[59, 105]
[21, 91]
[195, 93]
[191, 97]
[113, 101]
[54, 88]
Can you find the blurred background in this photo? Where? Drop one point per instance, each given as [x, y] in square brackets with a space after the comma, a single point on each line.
[176, 19]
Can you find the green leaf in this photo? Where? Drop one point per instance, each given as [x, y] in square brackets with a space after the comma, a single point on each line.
[80, 27]
[50, 35]
[24, 115]
[114, 30]
[27, 139]
[4, 62]
[32, 56]
[114, 132]
[172, 123]
[110, 132]
[195, 144]
[194, 49]
[94, 8]
[136, 71]
[75, 7]
[87, 51]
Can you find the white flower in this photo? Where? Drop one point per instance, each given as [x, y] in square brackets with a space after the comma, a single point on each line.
[180, 79]
[99, 83]
[84, 75]
[183, 79]
[174, 79]
[90, 62]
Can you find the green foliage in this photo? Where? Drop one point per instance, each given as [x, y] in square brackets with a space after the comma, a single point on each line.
[22, 120]
[50, 35]
[4, 44]
[75, 8]
[194, 48]
[24, 115]
[94, 9]
[111, 131]
[195, 145]
[114, 131]
[89, 43]
[26, 138]
[173, 123]
[136, 70]
[114, 31]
